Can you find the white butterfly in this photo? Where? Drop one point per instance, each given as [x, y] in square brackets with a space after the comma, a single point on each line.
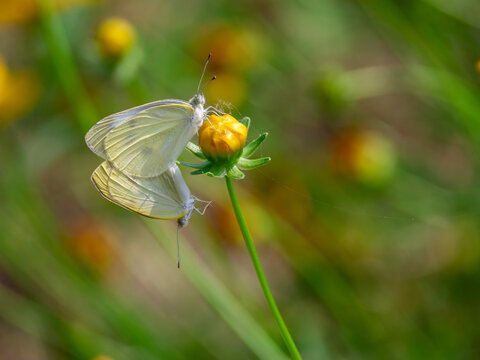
[162, 197]
[146, 140]
[165, 196]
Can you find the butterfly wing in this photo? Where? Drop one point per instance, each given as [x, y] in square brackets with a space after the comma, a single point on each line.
[149, 142]
[95, 137]
[156, 197]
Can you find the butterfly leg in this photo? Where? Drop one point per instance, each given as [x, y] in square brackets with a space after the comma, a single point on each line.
[208, 203]
[214, 110]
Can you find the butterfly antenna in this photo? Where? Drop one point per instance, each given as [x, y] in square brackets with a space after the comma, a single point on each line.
[203, 72]
[178, 249]
[208, 82]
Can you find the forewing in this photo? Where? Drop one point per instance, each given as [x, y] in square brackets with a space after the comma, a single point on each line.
[149, 142]
[153, 197]
[95, 137]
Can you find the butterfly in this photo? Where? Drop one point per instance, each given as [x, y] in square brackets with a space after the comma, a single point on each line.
[146, 140]
[165, 196]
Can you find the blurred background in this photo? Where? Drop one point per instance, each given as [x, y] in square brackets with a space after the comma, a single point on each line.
[366, 219]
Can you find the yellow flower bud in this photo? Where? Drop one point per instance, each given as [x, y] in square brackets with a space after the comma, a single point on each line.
[115, 36]
[221, 138]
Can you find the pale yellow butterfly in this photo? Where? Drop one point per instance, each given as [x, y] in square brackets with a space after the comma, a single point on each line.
[146, 140]
[161, 197]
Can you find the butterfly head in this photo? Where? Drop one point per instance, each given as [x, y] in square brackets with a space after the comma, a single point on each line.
[182, 222]
[190, 205]
[198, 99]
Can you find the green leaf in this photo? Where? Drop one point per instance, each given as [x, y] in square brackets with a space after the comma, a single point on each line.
[195, 150]
[252, 163]
[216, 171]
[246, 121]
[250, 148]
[195, 165]
[235, 173]
[198, 172]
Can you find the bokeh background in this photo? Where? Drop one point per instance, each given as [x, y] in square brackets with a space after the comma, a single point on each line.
[366, 219]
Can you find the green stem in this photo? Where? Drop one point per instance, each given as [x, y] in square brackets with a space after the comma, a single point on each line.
[261, 276]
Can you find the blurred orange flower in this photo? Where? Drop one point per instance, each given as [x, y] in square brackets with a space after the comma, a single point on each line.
[89, 244]
[17, 11]
[18, 93]
[227, 87]
[233, 48]
[367, 156]
[24, 11]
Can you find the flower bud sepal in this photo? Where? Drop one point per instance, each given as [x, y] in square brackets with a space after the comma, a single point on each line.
[231, 167]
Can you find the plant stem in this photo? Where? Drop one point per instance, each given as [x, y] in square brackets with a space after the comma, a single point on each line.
[261, 276]
[219, 297]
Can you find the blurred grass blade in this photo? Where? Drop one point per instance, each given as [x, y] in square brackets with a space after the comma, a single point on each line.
[460, 97]
[63, 62]
[72, 337]
[221, 300]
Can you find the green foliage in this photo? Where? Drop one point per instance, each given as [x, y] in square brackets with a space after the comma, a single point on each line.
[361, 268]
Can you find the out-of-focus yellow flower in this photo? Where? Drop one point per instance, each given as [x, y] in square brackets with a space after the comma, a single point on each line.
[24, 11]
[115, 37]
[230, 88]
[365, 155]
[233, 48]
[18, 93]
[477, 66]
[222, 138]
